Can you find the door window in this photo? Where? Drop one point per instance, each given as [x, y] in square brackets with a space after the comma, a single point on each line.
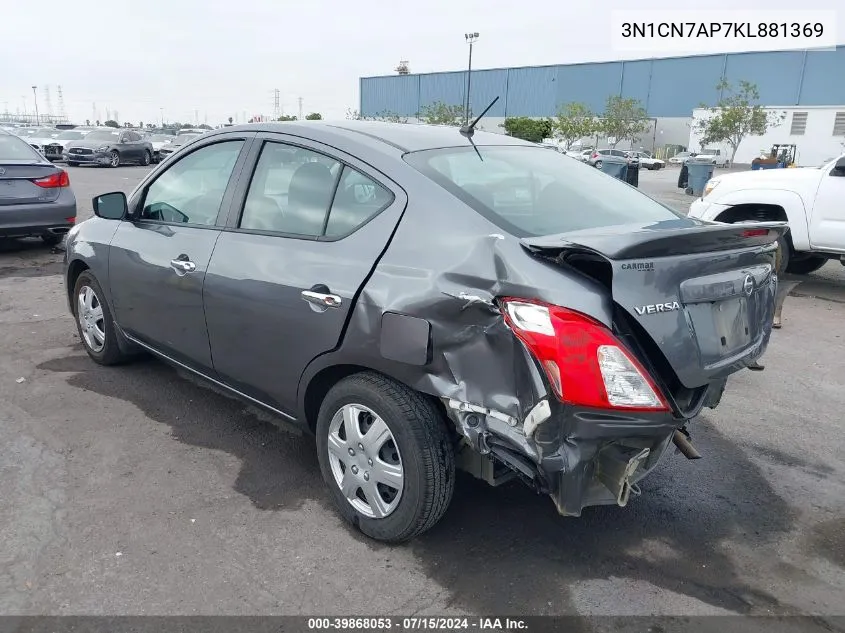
[291, 191]
[191, 190]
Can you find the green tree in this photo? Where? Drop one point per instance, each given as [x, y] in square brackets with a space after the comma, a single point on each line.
[286, 117]
[111, 123]
[314, 116]
[439, 113]
[737, 115]
[384, 115]
[205, 126]
[574, 121]
[624, 119]
[528, 129]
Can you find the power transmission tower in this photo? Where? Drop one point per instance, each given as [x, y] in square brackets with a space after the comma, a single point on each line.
[48, 102]
[62, 111]
[94, 116]
[300, 108]
[277, 109]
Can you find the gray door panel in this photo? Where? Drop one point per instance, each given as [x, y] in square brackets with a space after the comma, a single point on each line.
[273, 303]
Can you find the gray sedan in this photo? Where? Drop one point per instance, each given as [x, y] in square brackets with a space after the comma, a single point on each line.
[423, 300]
[35, 195]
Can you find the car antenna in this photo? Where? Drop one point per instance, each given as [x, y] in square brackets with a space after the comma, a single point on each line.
[469, 130]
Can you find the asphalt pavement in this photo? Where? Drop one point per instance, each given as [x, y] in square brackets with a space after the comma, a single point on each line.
[135, 490]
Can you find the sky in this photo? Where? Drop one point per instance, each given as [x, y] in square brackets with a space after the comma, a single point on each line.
[204, 61]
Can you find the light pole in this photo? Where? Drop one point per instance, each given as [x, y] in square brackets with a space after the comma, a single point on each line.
[470, 38]
[162, 116]
[35, 98]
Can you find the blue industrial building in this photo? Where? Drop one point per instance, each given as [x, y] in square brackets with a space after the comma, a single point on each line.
[667, 88]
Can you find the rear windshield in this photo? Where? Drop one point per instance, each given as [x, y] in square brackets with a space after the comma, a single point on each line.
[528, 191]
[13, 148]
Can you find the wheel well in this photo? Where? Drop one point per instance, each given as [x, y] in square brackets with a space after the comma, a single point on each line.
[76, 268]
[327, 378]
[761, 212]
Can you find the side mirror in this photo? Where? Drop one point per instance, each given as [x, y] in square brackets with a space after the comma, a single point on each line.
[839, 168]
[111, 206]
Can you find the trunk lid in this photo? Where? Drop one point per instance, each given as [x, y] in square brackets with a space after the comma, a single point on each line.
[703, 293]
[16, 186]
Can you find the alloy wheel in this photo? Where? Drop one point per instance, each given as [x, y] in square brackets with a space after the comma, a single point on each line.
[89, 313]
[365, 461]
[115, 159]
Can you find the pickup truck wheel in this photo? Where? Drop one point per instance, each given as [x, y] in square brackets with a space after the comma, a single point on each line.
[386, 456]
[805, 265]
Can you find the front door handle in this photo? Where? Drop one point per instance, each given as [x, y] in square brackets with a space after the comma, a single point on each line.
[322, 299]
[183, 265]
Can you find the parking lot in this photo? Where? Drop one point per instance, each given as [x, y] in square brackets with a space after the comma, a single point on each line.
[135, 490]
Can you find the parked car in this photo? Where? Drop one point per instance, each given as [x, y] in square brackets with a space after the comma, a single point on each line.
[582, 154]
[718, 157]
[158, 141]
[166, 150]
[680, 158]
[109, 147]
[55, 149]
[810, 200]
[596, 156]
[35, 196]
[647, 161]
[564, 334]
[39, 137]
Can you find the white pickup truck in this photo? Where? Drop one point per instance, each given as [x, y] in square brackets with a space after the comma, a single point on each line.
[810, 200]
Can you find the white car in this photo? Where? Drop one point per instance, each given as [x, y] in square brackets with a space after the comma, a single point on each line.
[680, 158]
[647, 161]
[809, 200]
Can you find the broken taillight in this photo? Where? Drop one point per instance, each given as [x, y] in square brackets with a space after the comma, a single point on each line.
[583, 360]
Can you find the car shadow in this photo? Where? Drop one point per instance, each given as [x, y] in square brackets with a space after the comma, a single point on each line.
[29, 257]
[502, 550]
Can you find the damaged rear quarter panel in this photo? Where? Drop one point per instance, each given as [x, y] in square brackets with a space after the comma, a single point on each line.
[445, 266]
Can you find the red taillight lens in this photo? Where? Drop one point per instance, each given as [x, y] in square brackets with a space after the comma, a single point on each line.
[70, 220]
[755, 232]
[595, 155]
[59, 179]
[584, 362]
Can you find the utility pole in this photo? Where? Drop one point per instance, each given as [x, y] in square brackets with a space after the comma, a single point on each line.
[300, 108]
[470, 38]
[35, 97]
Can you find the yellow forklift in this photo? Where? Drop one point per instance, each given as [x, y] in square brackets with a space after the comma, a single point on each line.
[782, 155]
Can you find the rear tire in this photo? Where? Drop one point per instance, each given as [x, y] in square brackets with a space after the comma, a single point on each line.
[147, 158]
[805, 265]
[87, 311]
[51, 240]
[423, 455]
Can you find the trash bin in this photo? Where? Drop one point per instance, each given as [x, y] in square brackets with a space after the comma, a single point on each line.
[632, 177]
[683, 177]
[615, 166]
[699, 173]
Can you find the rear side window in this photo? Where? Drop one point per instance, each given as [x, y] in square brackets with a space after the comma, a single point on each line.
[296, 191]
[529, 192]
[14, 148]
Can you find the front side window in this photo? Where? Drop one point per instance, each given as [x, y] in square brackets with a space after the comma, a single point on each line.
[191, 190]
[529, 192]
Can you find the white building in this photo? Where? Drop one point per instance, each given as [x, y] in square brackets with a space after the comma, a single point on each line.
[818, 132]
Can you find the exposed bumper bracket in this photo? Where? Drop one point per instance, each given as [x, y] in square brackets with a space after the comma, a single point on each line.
[615, 467]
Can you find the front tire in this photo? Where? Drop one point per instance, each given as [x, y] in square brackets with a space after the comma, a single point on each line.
[805, 265]
[114, 159]
[94, 322]
[598, 164]
[386, 456]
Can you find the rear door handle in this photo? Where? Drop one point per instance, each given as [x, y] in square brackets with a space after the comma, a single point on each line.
[183, 265]
[322, 299]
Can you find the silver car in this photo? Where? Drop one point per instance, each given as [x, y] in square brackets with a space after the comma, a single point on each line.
[35, 195]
